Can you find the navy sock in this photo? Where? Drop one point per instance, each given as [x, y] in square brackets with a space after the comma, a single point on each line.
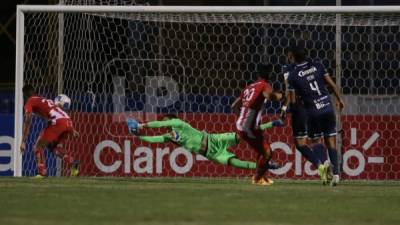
[320, 151]
[334, 157]
[309, 155]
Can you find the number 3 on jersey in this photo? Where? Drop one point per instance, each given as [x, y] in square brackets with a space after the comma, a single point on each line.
[314, 87]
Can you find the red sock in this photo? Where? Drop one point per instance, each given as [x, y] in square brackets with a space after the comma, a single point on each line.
[261, 166]
[67, 159]
[41, 162]
[262, 161]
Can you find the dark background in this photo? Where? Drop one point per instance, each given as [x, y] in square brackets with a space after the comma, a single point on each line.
[8, 8]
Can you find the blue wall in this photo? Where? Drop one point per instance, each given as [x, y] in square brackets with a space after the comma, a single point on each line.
[6, 132]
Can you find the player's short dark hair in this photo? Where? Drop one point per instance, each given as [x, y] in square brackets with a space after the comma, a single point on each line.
[299, 53]
[264, 71]
[28, 89]
[170, 116]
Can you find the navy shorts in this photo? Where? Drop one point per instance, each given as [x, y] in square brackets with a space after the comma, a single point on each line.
[323, 124]
[299, 122]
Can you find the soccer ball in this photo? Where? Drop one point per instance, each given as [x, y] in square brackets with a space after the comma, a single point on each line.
[62, 101]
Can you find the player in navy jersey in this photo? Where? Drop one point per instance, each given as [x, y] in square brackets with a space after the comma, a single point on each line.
[309, 80]
[298, 114]
[299, 126]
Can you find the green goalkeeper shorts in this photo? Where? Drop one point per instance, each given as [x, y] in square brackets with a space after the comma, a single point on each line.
[218, 145]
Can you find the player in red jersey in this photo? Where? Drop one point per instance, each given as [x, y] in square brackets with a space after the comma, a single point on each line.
[52, 137]
[250, 106]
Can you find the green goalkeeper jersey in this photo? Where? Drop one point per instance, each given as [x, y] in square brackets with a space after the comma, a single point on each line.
[182, 133]
[186, 136]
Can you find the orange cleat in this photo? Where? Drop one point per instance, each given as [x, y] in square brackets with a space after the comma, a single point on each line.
[262, 181]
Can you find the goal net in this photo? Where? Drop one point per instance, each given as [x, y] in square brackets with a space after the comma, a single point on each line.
[120, 64]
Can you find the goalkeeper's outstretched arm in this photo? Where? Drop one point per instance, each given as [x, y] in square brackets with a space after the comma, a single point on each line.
[271, 124]
[156, 139]
[134, 126]
[164, 123]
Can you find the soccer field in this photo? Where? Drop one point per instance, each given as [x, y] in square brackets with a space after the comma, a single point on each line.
[194, 201]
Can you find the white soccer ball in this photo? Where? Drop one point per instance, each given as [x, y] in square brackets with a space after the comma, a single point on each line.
[62, 101]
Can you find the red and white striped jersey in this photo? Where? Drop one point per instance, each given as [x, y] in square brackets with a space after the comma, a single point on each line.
[45, 108]
[252, 105]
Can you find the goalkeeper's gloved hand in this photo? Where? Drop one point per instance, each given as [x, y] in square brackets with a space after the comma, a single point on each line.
[133, 126]
[278, 123]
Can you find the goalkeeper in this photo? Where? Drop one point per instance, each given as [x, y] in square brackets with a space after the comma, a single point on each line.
[212, 146]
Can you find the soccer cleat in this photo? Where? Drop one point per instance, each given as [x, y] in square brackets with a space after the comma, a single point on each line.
[75, 168]
[133, 126]
[322, 172]
[335, 180]
[39, 177]
[262, 181]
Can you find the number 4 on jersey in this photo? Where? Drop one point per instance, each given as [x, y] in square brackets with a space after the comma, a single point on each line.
[314, 87]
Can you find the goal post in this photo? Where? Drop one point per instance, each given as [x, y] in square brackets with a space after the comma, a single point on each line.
[121, 61]
[19, 80]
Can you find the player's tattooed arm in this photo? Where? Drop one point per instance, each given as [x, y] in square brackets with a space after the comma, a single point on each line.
[276, 96]
[236, 105]
[332, 85]
[273, 95]
[25, 131]
[292, 97]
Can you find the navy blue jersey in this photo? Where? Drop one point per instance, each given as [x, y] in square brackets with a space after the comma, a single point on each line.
[299, 102]
[308, 80]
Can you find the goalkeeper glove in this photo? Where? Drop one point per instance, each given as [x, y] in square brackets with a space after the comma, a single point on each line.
[133, 126]
[278, 123]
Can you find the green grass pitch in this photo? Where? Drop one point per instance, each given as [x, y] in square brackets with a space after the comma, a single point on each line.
[194, 201]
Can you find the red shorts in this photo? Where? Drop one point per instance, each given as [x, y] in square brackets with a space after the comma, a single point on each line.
[56, 132]
[255, 139]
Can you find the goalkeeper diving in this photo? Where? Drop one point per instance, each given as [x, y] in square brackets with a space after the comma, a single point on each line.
[212, 146]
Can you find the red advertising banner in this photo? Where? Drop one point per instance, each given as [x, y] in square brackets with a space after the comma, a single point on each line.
[370, 149]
